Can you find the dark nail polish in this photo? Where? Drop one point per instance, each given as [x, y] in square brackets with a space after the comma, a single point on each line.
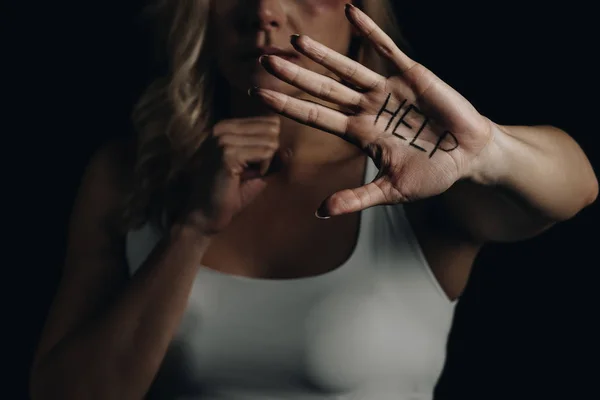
[322, 213]
[252, 91]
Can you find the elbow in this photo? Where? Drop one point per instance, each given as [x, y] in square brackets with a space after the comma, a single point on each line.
[584, 196]
[588, 194]
[587, 197]
[589, 191]
[592, 191]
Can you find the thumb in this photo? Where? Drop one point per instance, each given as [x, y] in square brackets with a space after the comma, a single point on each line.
[351, 200]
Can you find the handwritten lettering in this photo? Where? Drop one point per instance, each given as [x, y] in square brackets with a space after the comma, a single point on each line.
[440, 140]
[403, 121]
[392, 113]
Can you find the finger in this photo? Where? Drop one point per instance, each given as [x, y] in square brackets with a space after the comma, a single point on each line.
[263, 126]
[267, 119]
[344, 67]
[352, 200]
[271, 118]
[252, 141]
[236, 159]
[244, 140]
[305, 112]
[320, 86]
[378, 38]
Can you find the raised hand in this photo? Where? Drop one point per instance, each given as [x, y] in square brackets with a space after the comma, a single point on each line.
[422, 135]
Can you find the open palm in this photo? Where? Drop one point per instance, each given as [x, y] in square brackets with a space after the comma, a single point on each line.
[422, 134]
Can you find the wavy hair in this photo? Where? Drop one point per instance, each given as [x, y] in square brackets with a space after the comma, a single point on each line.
[174, 115]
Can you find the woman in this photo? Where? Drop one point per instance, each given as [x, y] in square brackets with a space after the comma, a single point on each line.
[224, 284]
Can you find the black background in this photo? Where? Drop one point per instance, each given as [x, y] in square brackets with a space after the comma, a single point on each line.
[526, 325]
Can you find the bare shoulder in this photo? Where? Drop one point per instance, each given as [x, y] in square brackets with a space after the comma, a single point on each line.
[111, 166]
[449, 251]
[106, 182]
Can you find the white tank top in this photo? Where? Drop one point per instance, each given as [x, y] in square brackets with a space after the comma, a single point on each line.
[374, 328]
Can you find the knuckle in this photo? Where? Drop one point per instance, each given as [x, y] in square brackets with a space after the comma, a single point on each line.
[272, 146]
[268, 151]
[229, 153]
[325, 89]
[222, 141]
[338, 202]
[387, 49]
[219, 129]
[417, 73]
[313, 115]
[417, 69]
[379, 85]
[350, 71]
[319, 54]
[294, 74]
[273, 130]
[356, 103]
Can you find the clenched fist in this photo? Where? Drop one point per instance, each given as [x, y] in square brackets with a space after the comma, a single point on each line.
[229, 169]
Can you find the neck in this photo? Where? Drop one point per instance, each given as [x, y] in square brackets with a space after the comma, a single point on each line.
[306, 145]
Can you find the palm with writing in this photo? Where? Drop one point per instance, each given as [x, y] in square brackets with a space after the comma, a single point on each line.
[422, 135]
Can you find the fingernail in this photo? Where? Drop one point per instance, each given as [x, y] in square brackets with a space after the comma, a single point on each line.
[252, 91]
[294, 38]
[349, 6]
[264, 169]
[322, 213]
[263, 58]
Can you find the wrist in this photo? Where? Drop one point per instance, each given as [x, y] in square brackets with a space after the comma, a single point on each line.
[189, 234]
[192, 222]
[490, 165]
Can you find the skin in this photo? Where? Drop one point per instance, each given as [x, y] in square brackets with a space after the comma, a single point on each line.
[107, 333]
[272, 25]
[302, 150]
[278, 20]
[110, 342]
[474, 149]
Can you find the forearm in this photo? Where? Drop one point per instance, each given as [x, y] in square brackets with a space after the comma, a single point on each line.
[526, 180]
[542, 167]
[118, 354]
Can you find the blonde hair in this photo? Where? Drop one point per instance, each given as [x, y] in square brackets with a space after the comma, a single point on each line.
[174, 115]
